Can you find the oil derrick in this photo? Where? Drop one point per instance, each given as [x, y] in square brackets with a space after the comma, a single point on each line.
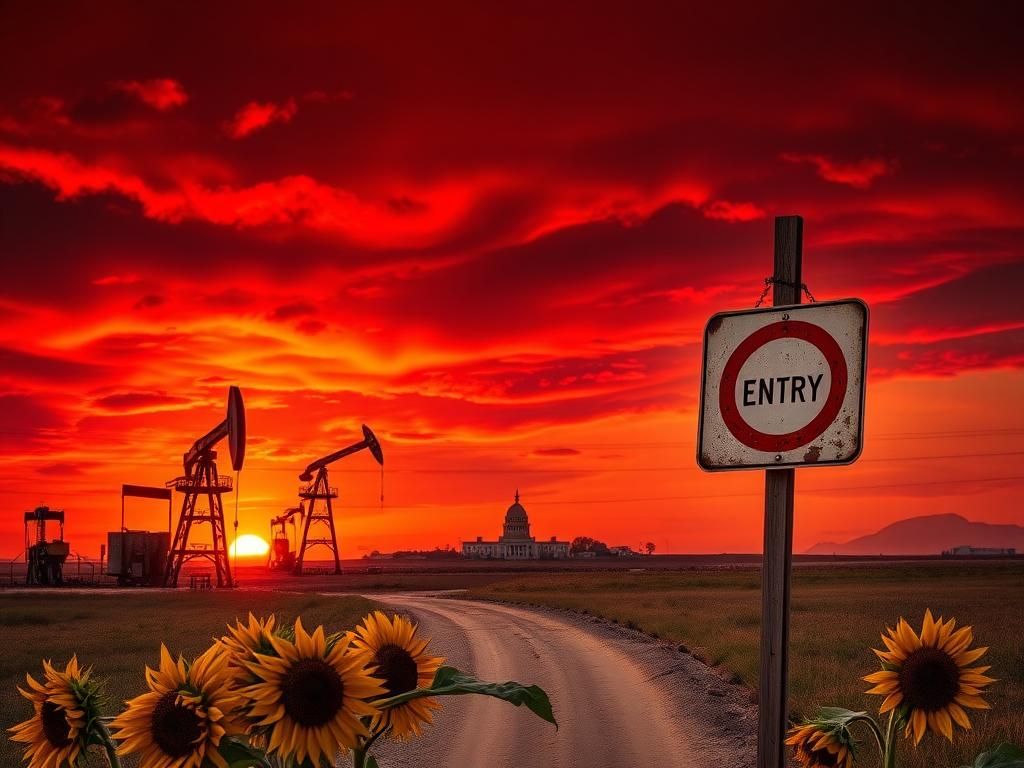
[317, 495]
[281, 556]
[44, 559]
[202, 480]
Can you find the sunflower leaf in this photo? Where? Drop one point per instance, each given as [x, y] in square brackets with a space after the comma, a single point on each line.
[837, 717]
[1003, 756]
[240, 754]
[449, 681]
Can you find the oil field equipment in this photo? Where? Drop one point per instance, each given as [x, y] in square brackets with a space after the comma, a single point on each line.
[201, 479]
[282, 556]
[44, 559]
[318, 493]
[139, 557]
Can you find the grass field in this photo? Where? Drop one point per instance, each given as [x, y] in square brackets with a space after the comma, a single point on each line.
[837, 615]
[119, 634]
[838, 612]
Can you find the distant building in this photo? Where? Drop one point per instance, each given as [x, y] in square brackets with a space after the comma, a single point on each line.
[980, 552]
[515, 542]
[623, 550]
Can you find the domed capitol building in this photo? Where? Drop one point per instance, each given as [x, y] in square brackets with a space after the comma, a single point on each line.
[515, 542]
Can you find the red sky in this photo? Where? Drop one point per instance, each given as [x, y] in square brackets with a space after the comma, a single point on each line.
[495, 238]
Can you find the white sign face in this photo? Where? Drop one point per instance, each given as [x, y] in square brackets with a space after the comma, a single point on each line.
[783, 387]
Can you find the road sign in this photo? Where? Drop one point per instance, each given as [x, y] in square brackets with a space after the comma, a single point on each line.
[783, 387]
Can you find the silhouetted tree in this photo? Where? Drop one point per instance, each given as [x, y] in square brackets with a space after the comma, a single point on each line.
[587, 544]
[581, 544]
[649, 546]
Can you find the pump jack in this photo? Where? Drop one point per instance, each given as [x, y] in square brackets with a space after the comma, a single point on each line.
[281, 556]
[317, 489]
[201, 479]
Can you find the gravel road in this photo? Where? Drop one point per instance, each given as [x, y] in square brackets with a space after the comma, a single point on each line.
[622, 700]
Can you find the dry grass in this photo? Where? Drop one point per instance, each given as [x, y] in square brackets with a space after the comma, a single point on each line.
[121, 633]
[837, 616]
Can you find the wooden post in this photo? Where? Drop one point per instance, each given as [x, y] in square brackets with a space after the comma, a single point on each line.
[777, 555]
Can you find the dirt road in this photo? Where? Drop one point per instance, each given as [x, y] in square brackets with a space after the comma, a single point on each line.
[621, 700]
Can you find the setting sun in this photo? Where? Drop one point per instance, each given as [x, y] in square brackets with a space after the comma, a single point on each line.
[249, 545]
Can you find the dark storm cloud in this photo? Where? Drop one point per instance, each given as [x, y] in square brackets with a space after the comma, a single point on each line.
[529, 207]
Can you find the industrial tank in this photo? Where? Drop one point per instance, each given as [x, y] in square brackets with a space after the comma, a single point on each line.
[137, 557]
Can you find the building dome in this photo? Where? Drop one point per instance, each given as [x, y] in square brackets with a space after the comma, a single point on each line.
[516, 514]
[517, 523]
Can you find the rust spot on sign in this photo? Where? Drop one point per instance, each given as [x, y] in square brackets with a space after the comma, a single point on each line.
[714, 325]
[812, 453]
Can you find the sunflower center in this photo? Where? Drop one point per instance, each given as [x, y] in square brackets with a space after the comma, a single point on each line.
[312, 692]
[55, 725]
[929, 679]
[175, 728]
[397, 668]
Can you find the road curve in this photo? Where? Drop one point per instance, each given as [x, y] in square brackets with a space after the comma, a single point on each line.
[621, 700]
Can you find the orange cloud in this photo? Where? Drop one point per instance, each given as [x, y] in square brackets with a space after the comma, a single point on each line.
[859, 174]
[257, 115]
[290, 200]
[161, 94]
[729, 211]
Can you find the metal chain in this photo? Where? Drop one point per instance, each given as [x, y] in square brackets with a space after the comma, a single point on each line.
[767, 287]
[770, 281]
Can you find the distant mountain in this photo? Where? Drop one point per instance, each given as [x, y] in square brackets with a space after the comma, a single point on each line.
[927, 535]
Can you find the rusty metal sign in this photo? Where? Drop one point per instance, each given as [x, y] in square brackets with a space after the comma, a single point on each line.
[783, 387]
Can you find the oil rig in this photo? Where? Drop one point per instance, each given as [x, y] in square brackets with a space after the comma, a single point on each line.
[316, 496]
[202, 480]
[44, 559]
[282, 556]
[156, 558]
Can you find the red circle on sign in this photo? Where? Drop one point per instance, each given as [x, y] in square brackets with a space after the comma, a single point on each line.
[786, 329]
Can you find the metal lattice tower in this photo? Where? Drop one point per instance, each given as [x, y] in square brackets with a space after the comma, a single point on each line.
[317, 495]
[202, 481]
[320, 512]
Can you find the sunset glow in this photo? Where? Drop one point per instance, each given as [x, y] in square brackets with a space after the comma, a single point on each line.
[249, 545]
[499, 251]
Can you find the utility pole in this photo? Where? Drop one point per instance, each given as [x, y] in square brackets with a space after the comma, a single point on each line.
[777, 557]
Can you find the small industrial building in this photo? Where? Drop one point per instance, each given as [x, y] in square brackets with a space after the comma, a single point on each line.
[966, 551]
[515, 542]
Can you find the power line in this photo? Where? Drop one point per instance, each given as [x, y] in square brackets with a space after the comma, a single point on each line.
[626, 500]
[598, 470]
[980, 432]
[799, 490]
[593, 470]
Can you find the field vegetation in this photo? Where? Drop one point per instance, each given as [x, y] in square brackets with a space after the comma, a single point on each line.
[837, 615]
[119, 634]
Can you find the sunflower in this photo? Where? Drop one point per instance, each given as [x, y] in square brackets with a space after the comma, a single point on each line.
[181, 721]
[815, 748]
[397, 657]
[309, 695]
[928, 676]
[244, 641]
[66, 704]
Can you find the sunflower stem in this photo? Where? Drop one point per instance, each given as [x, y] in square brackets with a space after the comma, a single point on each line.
[369, 742]
[109, 747]
[358, 758]
[889, 753]
[875, 731]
